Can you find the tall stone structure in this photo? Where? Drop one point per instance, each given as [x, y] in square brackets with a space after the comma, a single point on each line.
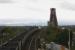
[53, 19]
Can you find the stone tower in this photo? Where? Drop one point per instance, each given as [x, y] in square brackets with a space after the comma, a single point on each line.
[53, 19]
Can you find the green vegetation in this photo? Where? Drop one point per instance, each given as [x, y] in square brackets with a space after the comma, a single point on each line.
[10, 32]
[51, 33]
[63, 38]
[60, 36]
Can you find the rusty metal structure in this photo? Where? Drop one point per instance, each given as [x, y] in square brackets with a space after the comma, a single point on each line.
[53, 19]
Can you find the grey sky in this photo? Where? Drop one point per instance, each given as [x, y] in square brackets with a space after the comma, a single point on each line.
[6, 1]
[20, 12]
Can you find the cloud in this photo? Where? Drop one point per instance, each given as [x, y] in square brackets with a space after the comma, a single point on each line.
[67, 5]
[21, 22]
[35, 9]
[32, 0]
[6, 1]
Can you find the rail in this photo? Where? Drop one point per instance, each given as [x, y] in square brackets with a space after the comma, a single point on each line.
[18, 42]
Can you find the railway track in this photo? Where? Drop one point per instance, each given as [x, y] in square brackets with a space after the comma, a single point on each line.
[27, 41]
[33, 44]
[32, 41]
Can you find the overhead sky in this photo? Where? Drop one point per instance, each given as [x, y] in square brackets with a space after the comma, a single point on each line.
[36, 12]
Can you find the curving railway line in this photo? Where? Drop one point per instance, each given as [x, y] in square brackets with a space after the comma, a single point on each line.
[26, 41]
[32, 41]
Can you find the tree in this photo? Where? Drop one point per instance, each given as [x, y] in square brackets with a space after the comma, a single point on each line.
[51, 34]
[63, 38]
